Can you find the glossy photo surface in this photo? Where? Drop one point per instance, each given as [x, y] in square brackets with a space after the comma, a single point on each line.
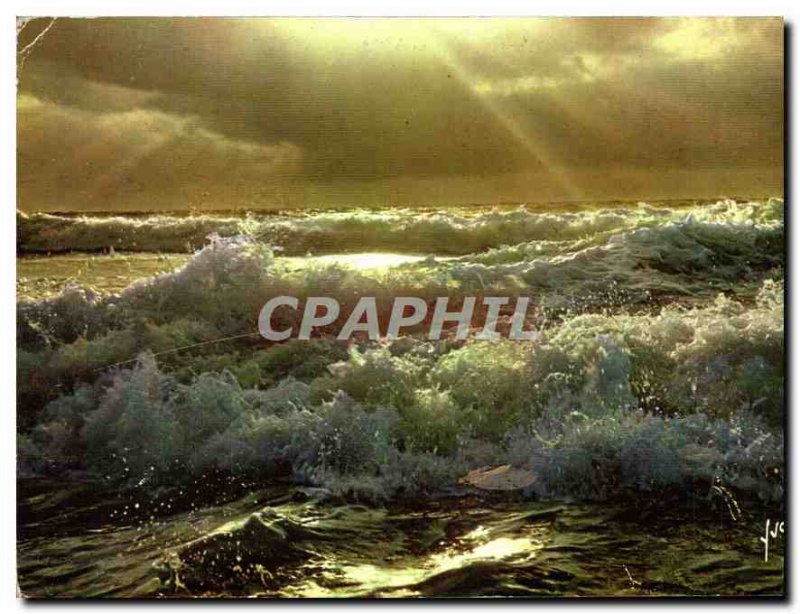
[393, 307]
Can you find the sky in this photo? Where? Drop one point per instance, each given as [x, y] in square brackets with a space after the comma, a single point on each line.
[192, 114]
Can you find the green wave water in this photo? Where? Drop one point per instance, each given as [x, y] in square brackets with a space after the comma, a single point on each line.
[657, 384]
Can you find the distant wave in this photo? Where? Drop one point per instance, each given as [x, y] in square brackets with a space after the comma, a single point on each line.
[404, 230]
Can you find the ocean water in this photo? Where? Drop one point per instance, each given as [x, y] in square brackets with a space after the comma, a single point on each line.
[278, 541]
[161, 437]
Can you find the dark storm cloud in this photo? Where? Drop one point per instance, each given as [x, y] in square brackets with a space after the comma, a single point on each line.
[169, 113]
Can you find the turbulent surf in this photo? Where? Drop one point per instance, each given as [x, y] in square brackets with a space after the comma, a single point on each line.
[232, 465]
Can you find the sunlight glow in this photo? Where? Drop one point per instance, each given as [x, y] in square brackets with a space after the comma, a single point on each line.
[698, 39]
[535, 144]
[395, 34]
[360, 262]
[367, 578]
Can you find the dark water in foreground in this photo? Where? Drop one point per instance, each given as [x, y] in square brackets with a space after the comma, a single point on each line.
[279, 541]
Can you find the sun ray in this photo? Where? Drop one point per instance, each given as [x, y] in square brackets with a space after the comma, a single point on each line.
[534, 143]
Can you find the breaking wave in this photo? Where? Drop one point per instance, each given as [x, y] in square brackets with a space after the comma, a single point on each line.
[660, 364]
[604, 404]
[406, 230]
